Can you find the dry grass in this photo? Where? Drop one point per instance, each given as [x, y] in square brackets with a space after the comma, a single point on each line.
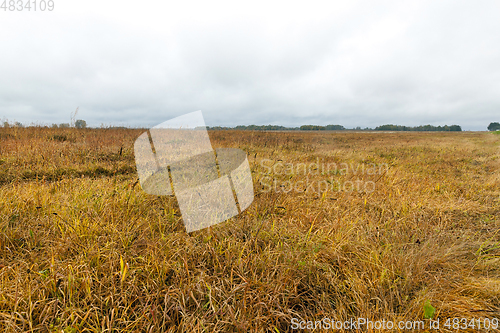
[83, 249]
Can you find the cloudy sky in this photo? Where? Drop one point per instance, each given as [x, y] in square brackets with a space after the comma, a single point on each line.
[354, 63]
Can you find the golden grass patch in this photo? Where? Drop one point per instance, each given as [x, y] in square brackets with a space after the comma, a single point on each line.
[82, 248]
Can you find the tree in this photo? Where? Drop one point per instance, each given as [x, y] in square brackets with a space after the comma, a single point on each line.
[80, 123]
[494, 127]
[63, 125]
[334, 127]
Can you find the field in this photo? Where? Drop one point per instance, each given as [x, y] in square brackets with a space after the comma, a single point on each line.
[344, 225]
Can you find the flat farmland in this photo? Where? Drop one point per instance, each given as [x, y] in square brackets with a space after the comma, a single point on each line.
[398, 227]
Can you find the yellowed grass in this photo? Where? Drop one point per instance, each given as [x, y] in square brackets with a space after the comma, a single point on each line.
[83, 249]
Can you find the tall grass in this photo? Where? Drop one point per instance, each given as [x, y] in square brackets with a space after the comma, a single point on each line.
[82, 248]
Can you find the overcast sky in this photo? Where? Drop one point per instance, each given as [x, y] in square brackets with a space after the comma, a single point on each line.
[354, 63]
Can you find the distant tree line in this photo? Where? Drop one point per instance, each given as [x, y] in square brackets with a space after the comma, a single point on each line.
[78, 124]
[264, 128]
[254, 128]
[322, 128]
[445, 128]
[424, 128]
[280, 128]
[494, 126]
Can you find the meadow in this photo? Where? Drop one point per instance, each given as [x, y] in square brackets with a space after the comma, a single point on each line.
[84, 249]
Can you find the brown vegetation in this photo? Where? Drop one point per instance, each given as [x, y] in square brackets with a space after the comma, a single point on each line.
[83, 249]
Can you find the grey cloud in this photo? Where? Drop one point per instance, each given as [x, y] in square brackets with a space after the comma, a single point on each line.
[370, 65]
